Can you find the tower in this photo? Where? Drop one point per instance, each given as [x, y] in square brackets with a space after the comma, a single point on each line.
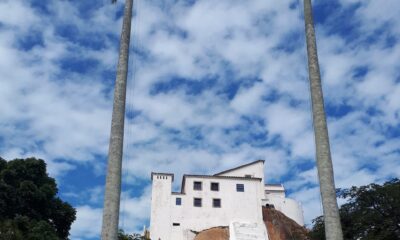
[161, 205]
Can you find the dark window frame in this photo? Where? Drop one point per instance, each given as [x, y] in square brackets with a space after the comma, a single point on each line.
[214, 184]
[176, 224]
[178, 201]
[217, 200]
[198, 199]
[239, 187]
[199, 183]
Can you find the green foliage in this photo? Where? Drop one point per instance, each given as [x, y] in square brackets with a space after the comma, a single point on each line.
[23, 228]
[371, 213]
[125, 236]
[29, 206]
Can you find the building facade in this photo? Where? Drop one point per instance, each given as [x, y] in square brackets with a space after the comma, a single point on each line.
[205, 201]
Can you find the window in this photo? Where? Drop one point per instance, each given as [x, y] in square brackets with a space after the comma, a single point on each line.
[239, 187]
[178, 201]
[176, 224]
[197, 202]
[197, 186]
[214, 186]
[216, 202]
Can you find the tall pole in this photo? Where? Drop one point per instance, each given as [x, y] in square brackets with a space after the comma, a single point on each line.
[113, 181]
[333, 229]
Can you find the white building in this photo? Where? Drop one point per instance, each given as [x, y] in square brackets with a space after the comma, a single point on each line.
[227, 198]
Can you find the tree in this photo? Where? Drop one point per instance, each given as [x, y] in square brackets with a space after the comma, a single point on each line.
[113, 181]
[333, 229]
[124, 236]
[372, 212]
[135, 236]
[29, 205]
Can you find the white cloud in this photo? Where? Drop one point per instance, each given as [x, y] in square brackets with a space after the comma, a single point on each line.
[286, 121]
[47, 110]
[135, 211]
[52, 112]
[17, 14]
[248, 101]
[87, 223]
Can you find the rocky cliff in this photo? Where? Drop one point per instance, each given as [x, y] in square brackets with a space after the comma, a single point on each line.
[278, 225]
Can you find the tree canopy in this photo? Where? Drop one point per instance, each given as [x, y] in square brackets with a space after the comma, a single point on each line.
[372, 212]
[125, 236]
[29, 206]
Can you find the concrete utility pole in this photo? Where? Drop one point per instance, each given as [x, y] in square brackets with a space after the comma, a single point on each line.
[333, 228]
[113, 182]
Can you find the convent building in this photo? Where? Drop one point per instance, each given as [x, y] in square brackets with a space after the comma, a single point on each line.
[231, 198]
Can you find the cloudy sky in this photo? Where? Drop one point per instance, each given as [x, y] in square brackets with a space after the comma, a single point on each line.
[212, 85]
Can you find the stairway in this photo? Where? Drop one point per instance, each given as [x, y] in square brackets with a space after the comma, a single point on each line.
[247, 231]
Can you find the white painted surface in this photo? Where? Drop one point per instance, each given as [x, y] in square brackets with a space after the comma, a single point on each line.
[247, 231]
[161, 206]
[274, 190]
[287, 206]
[255, 170]
[243, 205]
[179, 222]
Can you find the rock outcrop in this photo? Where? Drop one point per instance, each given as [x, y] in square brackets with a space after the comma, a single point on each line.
[216, 233]
[278, 225]
[281, 227]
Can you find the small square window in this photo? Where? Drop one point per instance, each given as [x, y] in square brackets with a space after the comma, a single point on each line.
[214, 186]
[239, 187]
[197, 186]
[178, 201]
[197, 202]
[176, 224]
[216, 202]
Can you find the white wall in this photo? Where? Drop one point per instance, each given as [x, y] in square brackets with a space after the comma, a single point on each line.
[274, 188]
[241, 206]
[275, 194]
[234, 205]
[245, 230]
[274, 191]
[160, 207]
[269, 195]
[256, 170]
[287, 206]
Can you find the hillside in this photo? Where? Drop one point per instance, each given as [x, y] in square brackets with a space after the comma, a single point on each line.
[279, 227]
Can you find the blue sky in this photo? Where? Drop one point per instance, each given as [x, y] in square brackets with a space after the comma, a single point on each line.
[212, 85]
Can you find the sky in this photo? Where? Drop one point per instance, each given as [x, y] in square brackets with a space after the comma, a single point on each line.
[212, 85]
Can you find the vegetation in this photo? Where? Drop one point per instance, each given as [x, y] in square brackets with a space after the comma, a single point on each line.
[29, 206]
[124, 236]
[371, 213]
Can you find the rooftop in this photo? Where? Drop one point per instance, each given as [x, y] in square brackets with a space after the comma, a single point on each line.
[241, 166]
